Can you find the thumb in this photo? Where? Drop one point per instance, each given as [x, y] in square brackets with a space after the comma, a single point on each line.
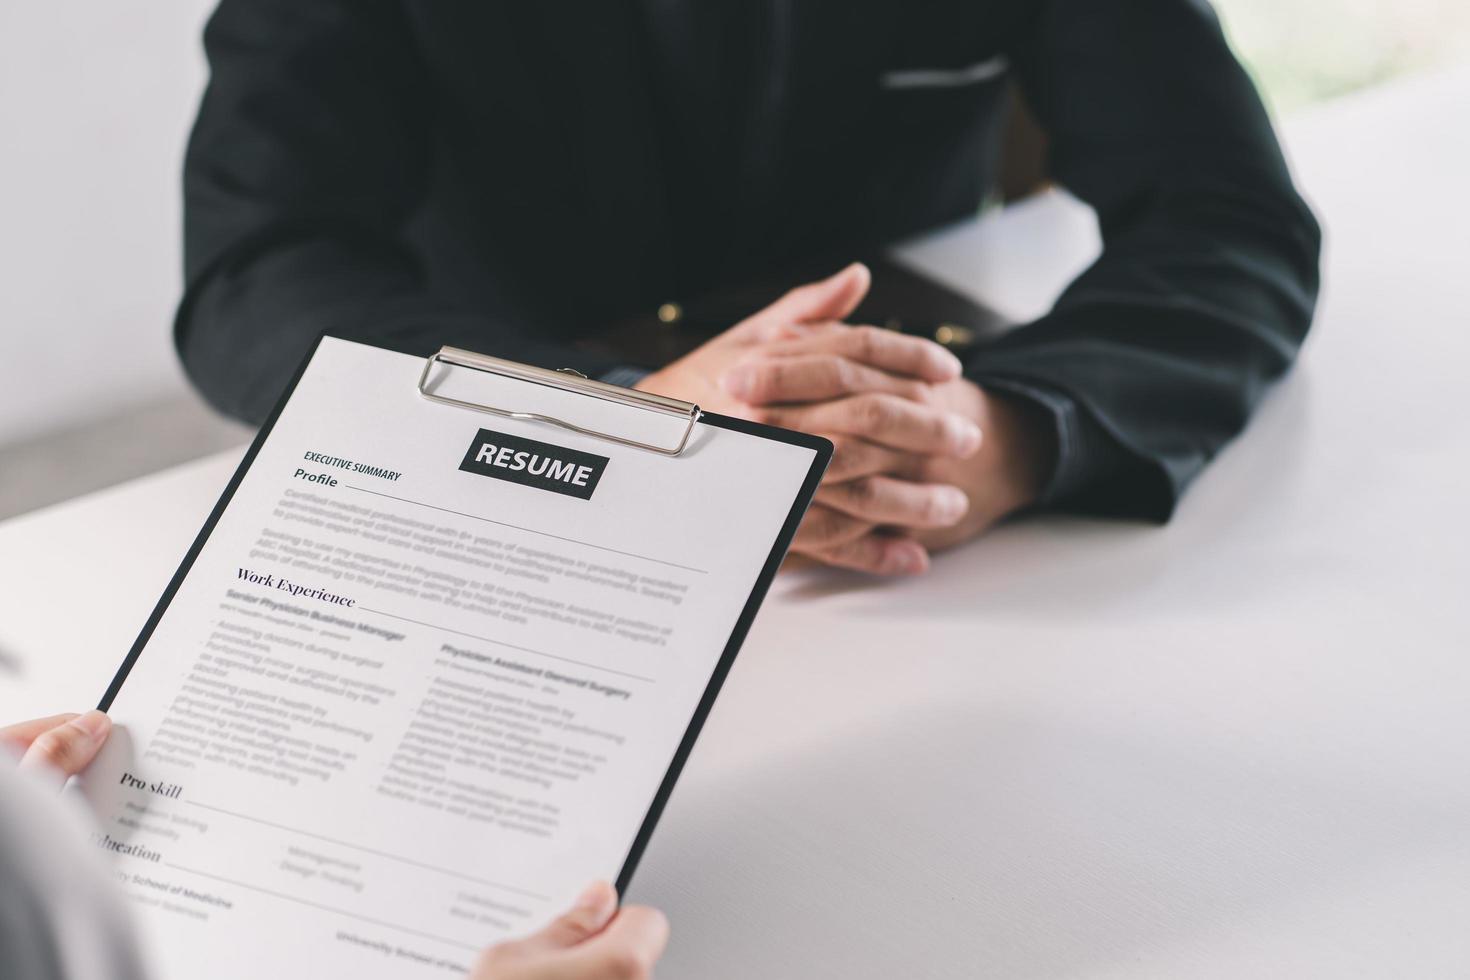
[594, 907]
[66, 749]
[832, 298]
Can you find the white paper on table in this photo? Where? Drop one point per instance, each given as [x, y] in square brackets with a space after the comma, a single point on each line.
[395, 710]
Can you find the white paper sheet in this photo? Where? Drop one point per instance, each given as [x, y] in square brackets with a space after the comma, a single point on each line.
[398, 710]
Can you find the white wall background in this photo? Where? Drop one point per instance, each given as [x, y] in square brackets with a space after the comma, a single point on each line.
[95, 104]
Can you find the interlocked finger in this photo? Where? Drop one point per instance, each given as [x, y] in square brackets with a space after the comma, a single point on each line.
[885, 419]
[879, 554]
[916, 357]
[899, 503]
[853, 457]
[799, 378]
[825, 527]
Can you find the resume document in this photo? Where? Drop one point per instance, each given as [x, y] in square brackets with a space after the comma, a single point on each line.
[426, 673]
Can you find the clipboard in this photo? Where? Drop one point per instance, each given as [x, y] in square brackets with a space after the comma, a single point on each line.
[563, 379]
[690, 414]
[684, 417]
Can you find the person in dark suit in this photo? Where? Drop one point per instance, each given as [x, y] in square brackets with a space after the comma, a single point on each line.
[528, 179]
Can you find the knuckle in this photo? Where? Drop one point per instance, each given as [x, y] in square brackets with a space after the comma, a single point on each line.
[917, 391]
[842, 456]
[865, 493]
[824, 524]
[580, 923]
[941, 432]
[848, 457]
[768, 378]
[52, 748]
[867, 342]
[873, 413]
[863, 554]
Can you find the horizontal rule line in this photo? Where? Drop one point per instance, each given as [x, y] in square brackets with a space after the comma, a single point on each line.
[323, 907]
[369, 850]
[512, 646]
[529, 530]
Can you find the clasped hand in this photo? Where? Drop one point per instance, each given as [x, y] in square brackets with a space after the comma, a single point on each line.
[924, 458]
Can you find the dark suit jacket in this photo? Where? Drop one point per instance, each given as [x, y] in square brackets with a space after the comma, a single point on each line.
[512, 176]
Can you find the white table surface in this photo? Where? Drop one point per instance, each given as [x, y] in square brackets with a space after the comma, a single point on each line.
[1235, 746]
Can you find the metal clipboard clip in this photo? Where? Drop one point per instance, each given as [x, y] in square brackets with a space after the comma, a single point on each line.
[563, 380]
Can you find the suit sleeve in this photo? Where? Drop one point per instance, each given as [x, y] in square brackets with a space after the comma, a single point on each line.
[1155, 357]
[310, 153]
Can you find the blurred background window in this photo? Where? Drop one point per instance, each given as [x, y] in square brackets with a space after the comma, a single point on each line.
[1305, 51]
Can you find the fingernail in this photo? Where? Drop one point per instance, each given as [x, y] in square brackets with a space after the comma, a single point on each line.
[736, 382]
[967, 437]
[907, 560]
[944, 361]
[94, 723]
[953, 504]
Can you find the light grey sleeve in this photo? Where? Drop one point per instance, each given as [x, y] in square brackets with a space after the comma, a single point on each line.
[62, 916]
